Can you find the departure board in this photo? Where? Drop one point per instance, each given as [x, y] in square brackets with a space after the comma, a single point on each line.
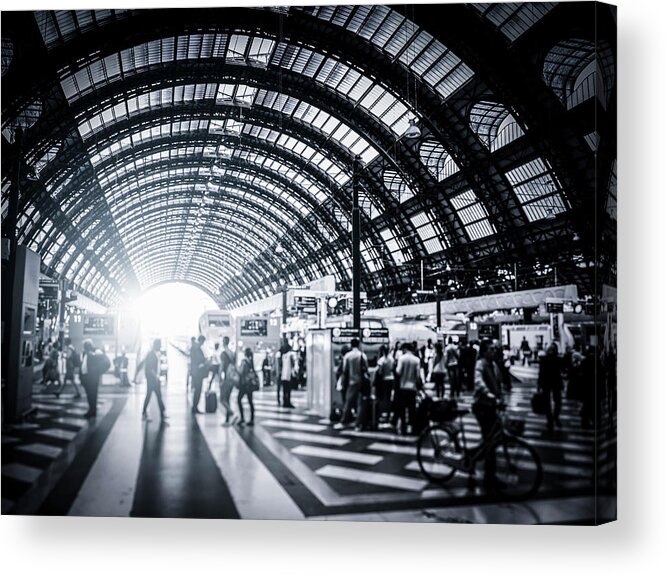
[254, 327]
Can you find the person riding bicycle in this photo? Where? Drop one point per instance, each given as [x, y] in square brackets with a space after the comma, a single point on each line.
[487, 388]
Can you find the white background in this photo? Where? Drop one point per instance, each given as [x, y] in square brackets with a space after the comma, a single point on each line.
[635, 544]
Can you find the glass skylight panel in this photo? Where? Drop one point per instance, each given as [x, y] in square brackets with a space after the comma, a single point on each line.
[611, 200]
[395, 184]
[513, 19]
[392, 245]
[370, 256]
[401, 38]
[473, 215]
[537, 190]
[432, 238]
[344, 134]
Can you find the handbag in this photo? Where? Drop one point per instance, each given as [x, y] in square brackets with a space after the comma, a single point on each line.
[540, 403]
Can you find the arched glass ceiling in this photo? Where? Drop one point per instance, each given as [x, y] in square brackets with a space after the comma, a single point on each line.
[326, 70]
[537, 189]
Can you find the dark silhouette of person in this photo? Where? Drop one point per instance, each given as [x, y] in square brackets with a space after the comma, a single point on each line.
[550, 382]
[199, 370]
[151, 365]
[248, 381]
[94, 363]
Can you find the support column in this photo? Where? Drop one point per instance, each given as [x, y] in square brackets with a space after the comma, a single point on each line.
[356, 246]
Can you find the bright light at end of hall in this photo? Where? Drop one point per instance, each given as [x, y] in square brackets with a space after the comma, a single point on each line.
[169, 310]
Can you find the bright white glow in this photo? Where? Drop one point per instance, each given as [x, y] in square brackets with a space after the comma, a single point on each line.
[171, 310]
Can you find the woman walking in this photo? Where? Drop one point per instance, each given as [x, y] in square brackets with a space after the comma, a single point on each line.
[249, 383]
[437, 370]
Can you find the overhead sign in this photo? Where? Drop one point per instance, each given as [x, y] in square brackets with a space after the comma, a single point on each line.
[305, 304]
[254, 327]
[344, 334]
[98, 325]
[375, 335]
[554, 307]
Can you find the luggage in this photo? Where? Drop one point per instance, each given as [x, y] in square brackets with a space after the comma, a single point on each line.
[540, 403]
[211, 402]
[421, 414]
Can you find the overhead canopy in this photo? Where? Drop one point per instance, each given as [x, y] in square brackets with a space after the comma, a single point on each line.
[218, 146]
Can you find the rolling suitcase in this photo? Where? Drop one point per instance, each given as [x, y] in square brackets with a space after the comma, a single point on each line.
[211, 402]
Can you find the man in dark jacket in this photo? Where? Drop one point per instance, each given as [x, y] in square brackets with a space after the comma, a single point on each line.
[94, 364]
[199, 371]
[151, 365]
[550, 382]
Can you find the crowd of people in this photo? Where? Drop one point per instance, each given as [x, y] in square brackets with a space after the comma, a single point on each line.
[391, 393]
[480, 368]
[221, 367]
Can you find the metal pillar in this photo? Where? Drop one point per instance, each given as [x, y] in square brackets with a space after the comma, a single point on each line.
[284, 313]
[62, 305]
[439, 308]
[356, 246]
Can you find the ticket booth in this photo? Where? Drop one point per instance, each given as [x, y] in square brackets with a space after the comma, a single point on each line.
[20, 337]
[324, 353]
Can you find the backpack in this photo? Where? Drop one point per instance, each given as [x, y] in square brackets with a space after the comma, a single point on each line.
[251, 382]
[75, 358]
[231, 374]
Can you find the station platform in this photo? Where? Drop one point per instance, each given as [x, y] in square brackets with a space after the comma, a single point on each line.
[291, 465]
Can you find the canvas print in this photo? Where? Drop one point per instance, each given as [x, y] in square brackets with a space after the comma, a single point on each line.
[341, 262]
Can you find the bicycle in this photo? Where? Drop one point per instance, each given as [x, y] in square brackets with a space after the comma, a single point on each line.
[512, 468]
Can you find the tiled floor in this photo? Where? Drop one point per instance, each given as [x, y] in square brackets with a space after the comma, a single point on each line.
[292, 464]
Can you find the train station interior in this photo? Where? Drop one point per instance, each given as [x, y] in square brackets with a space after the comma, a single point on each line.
[434, 184]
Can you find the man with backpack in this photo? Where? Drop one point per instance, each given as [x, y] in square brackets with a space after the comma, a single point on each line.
[93, 365]
[230, 380]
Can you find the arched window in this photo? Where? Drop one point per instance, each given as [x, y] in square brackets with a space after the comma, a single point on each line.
[438, 161]
[494, 124]
[578, 70]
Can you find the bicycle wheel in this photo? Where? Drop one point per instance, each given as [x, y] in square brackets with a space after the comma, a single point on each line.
[513, 468]
[434, 452]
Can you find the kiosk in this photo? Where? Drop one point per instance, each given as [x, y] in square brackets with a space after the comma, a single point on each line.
[324, 353]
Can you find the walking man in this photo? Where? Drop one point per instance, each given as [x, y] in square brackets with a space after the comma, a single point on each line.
[151, 365]
[199, 371]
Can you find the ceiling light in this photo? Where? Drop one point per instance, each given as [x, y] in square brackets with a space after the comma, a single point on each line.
[412, 131]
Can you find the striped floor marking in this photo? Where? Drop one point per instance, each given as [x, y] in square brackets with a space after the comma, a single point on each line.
[293, 425]
[372, 478]
[436, 468]
[49, 451]
[116, 468]
[311, 438]
[75, 421]
[58, 434]
[257, 494]
[337, 454]
[21, 472]
[281, 416]
[379, 435]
